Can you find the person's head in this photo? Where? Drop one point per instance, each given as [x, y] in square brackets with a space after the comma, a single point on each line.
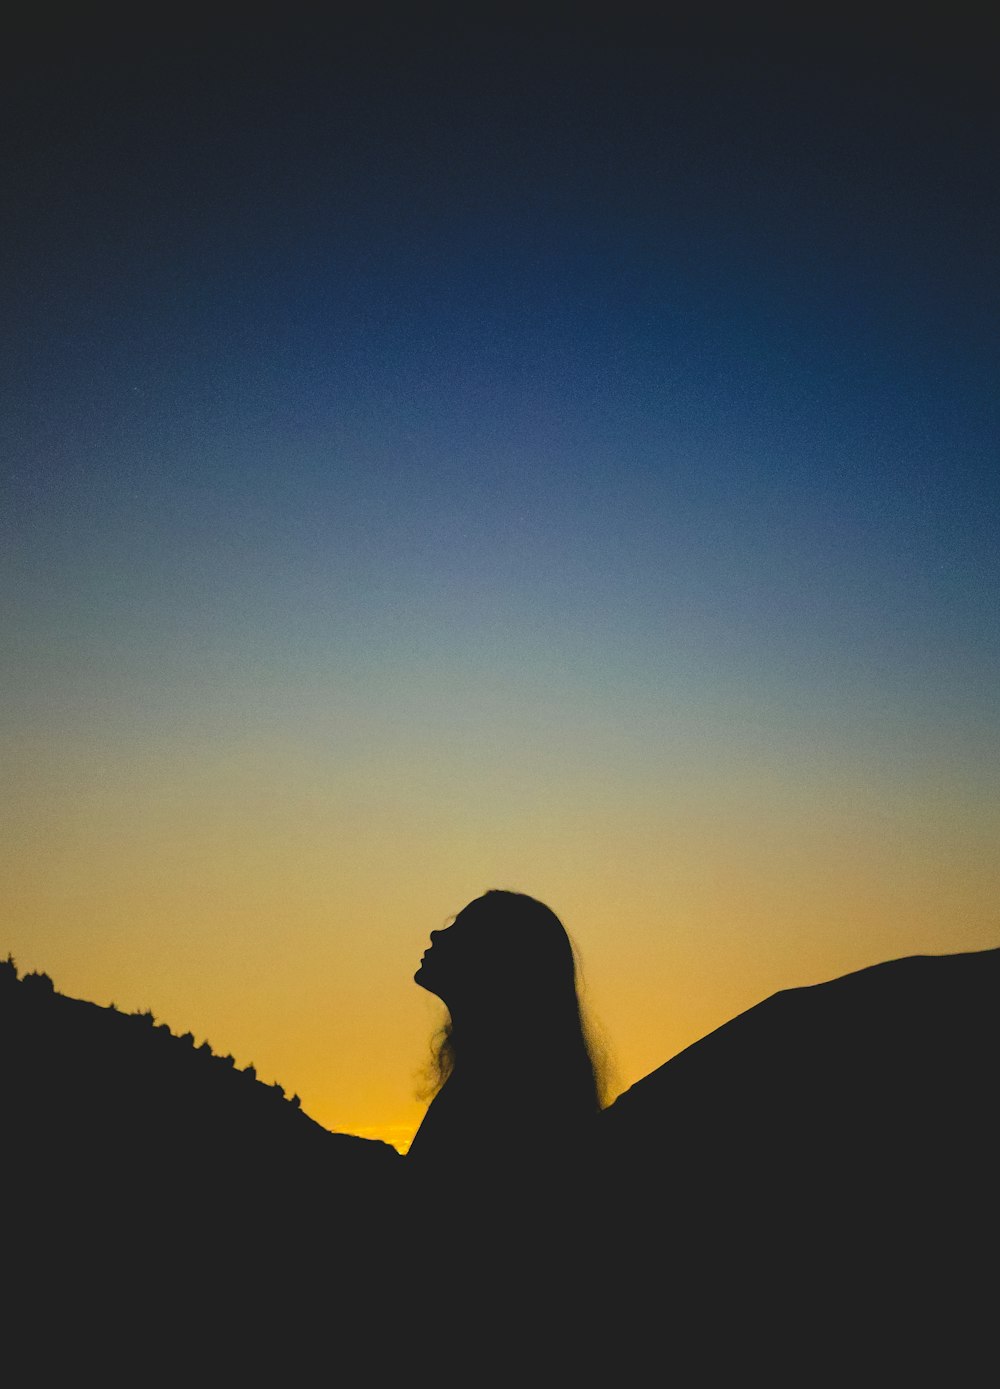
[502, 946]
[506, 971]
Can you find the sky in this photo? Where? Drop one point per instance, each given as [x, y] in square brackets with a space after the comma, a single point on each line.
[441, 455]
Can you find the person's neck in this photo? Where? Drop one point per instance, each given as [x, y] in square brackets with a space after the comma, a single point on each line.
[476, 1039]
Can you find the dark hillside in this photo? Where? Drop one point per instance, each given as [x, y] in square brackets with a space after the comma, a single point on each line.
[885, 1077]
[148, 1174]
[823, 1166]
[82, 1079]
[814, 1179]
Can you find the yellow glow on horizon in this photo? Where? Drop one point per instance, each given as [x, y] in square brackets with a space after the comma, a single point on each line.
[276, 901]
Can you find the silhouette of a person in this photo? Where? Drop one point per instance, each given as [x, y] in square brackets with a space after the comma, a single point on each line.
[499, 1167]
[516, 1084]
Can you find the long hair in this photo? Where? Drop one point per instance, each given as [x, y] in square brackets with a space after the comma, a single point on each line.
[529, 1024]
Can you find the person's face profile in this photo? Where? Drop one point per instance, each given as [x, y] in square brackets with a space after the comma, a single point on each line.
[453, 960]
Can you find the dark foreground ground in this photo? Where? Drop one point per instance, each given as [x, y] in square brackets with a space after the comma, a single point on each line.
[807, 1194]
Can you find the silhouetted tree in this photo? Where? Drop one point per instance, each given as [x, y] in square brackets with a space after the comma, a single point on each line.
[39, 982]
[8, 973]
[295, 1102]
[251, 1072]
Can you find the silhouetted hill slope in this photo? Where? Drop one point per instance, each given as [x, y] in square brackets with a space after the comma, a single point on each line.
[814, 1179]
[83, 1081]
[901, 1053]
[150, 1175]
[822, 1166]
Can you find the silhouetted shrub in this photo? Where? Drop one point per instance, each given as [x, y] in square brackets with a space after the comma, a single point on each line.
[8, 972]
[250, 1072]
[38, 982]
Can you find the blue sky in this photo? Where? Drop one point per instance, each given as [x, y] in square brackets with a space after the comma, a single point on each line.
[551, 439]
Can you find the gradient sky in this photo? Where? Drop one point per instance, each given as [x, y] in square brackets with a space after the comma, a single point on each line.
[447, 458]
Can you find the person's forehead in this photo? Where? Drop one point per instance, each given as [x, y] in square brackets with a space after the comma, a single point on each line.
[465, 920]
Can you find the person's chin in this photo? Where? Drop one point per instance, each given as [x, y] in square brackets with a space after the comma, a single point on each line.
[425, 978]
